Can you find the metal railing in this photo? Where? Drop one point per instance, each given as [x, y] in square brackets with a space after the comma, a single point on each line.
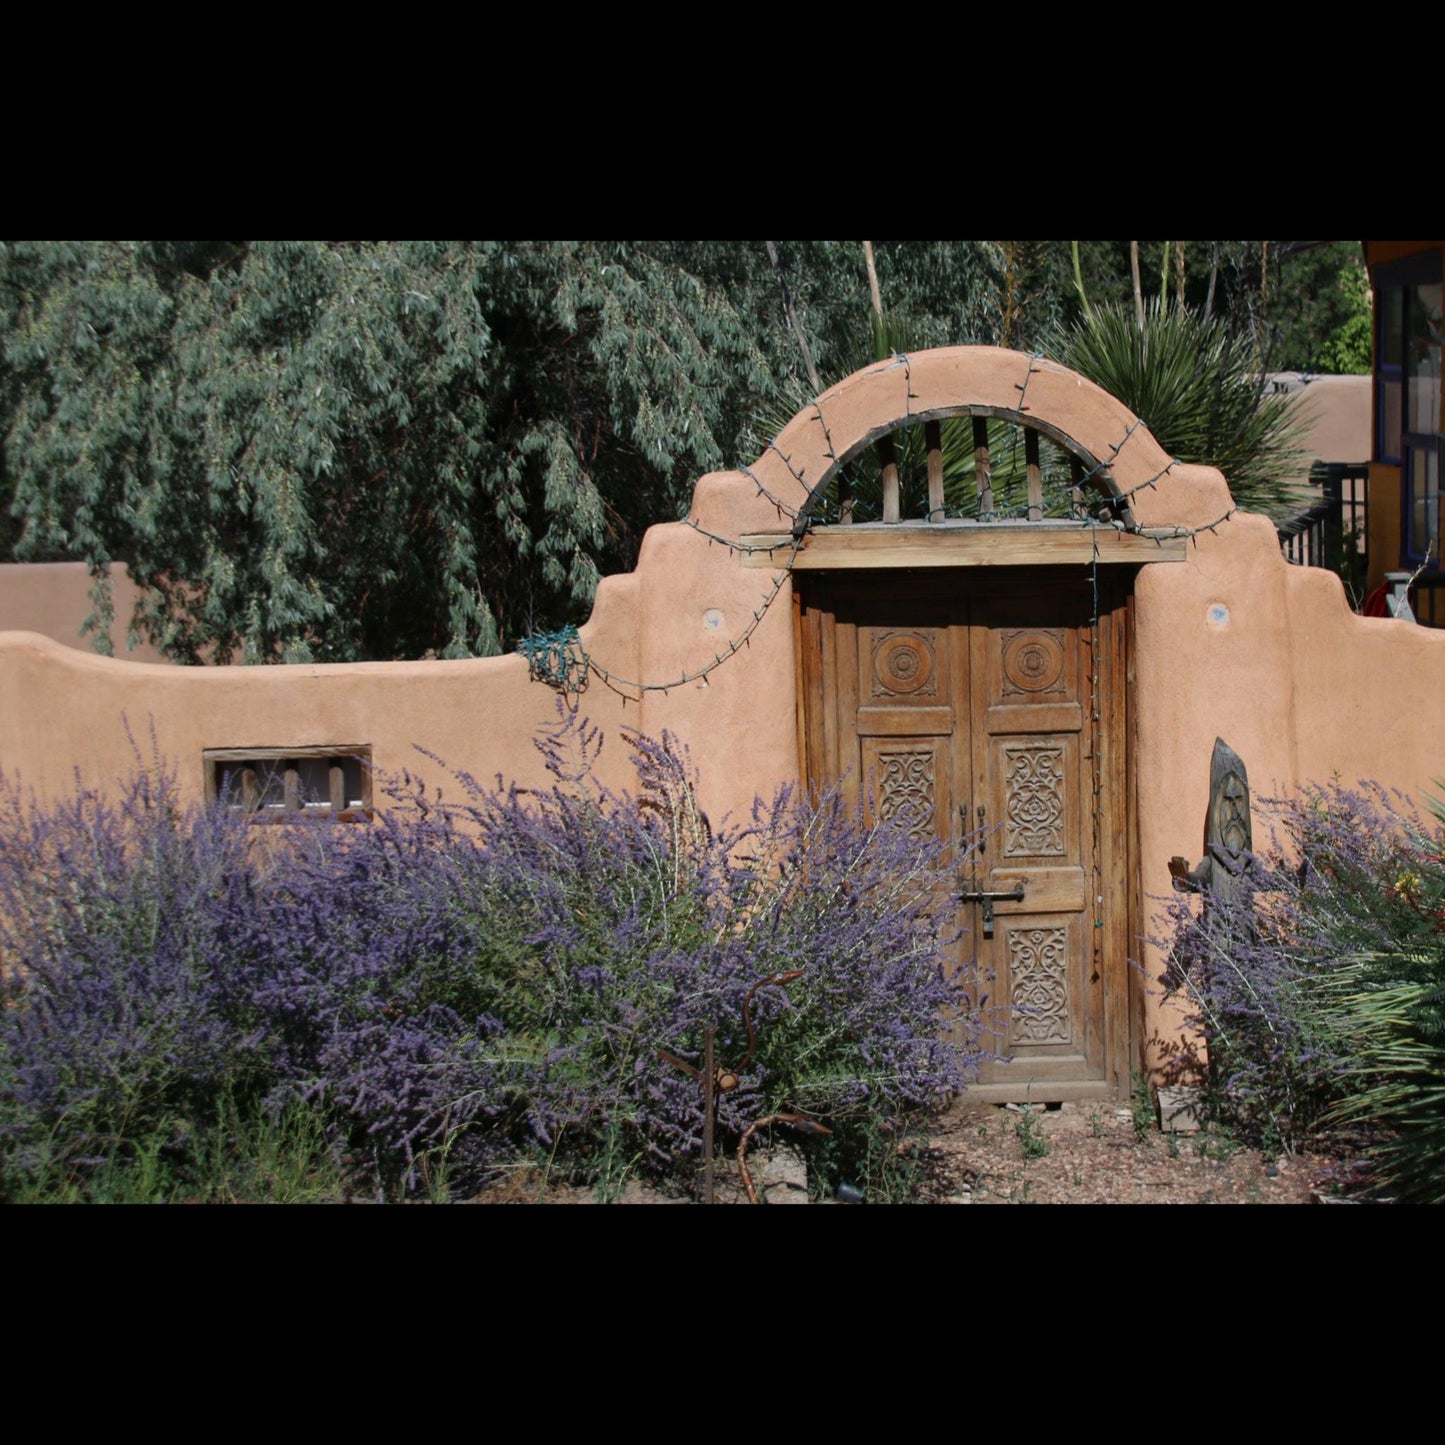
[1332, 533]
[1427, 598]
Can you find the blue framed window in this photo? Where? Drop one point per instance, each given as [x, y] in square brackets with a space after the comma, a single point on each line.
[1409, 329]
[1421, 532]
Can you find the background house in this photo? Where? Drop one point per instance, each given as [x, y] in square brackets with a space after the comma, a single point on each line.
[1408, 280]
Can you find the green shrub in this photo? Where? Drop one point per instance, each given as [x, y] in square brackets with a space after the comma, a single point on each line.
[1322, 998]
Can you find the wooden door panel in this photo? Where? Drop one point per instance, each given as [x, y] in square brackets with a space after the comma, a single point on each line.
[953, 705]
[1046, 890]
[907, 722]
[1030, 766]
[1061, 717]
[909, 780]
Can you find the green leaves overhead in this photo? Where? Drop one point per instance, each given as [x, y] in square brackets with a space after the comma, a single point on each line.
[313, 451]
[1196, 386]
[381, 449]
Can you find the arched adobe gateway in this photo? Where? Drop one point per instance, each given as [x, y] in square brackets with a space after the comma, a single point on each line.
[969, 667]
[1057, 677]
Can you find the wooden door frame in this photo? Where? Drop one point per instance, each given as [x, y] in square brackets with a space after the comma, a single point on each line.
[1124, 985]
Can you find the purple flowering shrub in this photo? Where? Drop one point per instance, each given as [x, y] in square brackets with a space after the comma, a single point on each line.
[119, 1015]
[1320, 996]
[619, 926]
[462, 984]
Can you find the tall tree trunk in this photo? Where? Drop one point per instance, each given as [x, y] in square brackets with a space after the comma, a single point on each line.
[1138, 288]
[880, 330]
[887, 452]
[1079, 282]
[1263, 299]
[1179, 271]
[1213, 277]
[793, 321]
[1011, 301]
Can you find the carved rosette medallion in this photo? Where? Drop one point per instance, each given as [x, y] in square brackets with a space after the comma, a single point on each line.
[903, 665]
[905, 790]
[1034, 801]
[1038, 961]
[1033, 662]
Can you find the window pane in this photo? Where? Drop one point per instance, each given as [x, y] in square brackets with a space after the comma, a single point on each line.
[314, 778]
[1392, 394]
[1422, 360]
[1424, 500]
[351, 782]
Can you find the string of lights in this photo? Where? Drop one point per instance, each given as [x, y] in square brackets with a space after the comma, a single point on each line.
[559, 659]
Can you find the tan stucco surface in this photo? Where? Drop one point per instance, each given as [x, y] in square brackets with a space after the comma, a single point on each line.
[1231, 642]
[1336, 414]
[53, 598]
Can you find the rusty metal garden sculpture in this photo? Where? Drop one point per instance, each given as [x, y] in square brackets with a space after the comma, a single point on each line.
[719, 1079]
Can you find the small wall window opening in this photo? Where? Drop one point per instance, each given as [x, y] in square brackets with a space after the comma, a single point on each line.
[277, 784]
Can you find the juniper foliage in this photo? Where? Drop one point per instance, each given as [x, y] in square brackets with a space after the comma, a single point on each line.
[332, 451]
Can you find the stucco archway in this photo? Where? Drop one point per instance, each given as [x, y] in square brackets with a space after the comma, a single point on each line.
[954, 381]
[922, 686]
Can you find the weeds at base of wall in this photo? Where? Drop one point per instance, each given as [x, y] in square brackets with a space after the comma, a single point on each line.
[1142, 1106]
[1030, 1134]
[240, 1156]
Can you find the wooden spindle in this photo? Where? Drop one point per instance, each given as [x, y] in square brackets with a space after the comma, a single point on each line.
[1036, 476]
[983, 473]
[933, 436]
[889, 457]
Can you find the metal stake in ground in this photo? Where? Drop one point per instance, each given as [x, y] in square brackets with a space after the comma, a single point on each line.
[722, 1080]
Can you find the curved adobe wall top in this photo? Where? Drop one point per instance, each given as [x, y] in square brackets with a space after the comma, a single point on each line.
[925, 384]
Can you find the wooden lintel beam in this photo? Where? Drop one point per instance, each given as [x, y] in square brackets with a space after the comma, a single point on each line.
[985, 545]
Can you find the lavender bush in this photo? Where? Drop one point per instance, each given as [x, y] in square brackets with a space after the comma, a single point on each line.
[121, 1020]
[618, 926]
[459, 985]
[1321, 997]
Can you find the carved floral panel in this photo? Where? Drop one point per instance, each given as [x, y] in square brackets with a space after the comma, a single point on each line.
[905, 789]
[1034, 800]
[1038, 965]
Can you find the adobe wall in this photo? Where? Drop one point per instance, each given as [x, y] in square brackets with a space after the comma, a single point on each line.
[53, 598]
[1232, 642]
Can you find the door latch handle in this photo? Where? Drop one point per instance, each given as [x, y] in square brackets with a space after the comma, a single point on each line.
[982, 845]
[988, 898]
[984, 895]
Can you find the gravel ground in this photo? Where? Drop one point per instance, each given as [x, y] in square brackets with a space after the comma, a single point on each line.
[1067, 1154]
[1093, 1154]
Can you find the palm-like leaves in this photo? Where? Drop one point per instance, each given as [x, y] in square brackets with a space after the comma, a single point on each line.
[1197, 387]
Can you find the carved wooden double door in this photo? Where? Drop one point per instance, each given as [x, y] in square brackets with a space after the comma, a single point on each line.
[986, 707]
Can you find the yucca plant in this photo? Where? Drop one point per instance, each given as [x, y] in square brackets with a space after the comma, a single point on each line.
[1199, 389]
[1400, 1076]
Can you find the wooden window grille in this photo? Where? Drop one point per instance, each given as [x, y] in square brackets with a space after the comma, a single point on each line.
[273, 785]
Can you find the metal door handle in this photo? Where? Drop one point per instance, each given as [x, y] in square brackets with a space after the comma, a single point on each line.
[983, 895]
[988, 899]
